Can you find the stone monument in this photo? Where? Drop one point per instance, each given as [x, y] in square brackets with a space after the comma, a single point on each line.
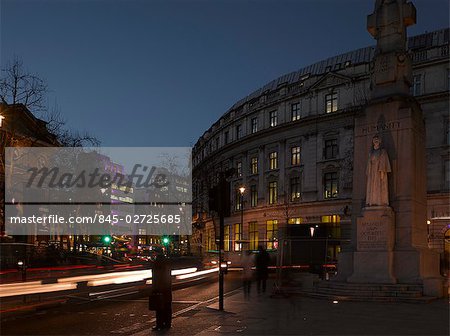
[389, 231]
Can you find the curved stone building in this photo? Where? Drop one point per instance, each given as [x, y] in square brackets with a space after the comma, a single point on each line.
[291, 143]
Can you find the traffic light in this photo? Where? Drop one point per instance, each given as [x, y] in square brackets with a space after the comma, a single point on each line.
[219, 198]
[106, 240]
[165, 240]
[225, 197]
[213, 199]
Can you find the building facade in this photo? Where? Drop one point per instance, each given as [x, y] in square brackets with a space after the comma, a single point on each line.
[20, 128]
[291, 145]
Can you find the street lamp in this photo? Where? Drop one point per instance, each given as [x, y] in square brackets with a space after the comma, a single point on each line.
[242, 190]
[23, 269]
[311, 231]
[2, 206]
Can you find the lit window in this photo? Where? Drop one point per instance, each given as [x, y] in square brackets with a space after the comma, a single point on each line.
[254, 165]
[295, 188]
[253, 196]
[295, 220]
[253, 235]
[331, 102]
[226, 240]
[295, 155]
[331, 149]
[142, 232]
[211, 240]
[295, 111]
[239, 168]
[239, 199]
[237, 237]
[331, 219]
[273, 160]
[333, 226]
[330, 182]
[254, 125]
[273, 118]
[272, 234]
[273, 192]
[416, 88]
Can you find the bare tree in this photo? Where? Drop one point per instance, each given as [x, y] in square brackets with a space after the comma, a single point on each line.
[56, 125]
[19, 86]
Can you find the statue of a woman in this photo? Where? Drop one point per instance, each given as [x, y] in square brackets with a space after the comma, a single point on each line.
[377, 168]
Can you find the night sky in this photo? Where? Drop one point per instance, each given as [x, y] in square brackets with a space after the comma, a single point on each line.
[159, 73]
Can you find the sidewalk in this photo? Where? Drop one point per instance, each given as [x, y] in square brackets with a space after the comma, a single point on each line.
[266, 315]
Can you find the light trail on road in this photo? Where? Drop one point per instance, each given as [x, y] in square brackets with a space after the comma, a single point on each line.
[94, 280]
[36, 288]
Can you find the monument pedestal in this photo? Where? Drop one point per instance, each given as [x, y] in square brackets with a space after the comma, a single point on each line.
[389, 245]
[420, 266]
[373, 261]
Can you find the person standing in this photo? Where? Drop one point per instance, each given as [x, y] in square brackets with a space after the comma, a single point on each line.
[161, 292]
[247, 272]
[262, 268]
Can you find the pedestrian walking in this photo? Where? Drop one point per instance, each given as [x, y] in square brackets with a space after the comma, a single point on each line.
[160, 298]
[262, 268]
[247, 272]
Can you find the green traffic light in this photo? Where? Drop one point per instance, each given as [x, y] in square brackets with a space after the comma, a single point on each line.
[166, 240]
[107, 239]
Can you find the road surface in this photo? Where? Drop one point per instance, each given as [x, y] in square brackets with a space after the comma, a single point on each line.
[114, 312]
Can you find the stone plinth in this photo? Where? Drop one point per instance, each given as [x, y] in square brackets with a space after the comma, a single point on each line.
[389, 243]
[373, 261]
[375, 229]
[419, 266]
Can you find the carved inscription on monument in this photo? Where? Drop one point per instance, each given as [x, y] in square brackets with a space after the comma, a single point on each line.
[375, 230]
[372, 236]
[376, 128]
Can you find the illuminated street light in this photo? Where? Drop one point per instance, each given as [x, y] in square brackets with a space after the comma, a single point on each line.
[242, 190]
[311, 231]
[1, 120]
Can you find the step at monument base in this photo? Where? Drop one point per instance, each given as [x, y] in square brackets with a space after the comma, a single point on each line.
[370, 292]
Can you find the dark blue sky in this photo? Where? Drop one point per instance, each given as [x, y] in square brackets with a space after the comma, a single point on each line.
[159, 73]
